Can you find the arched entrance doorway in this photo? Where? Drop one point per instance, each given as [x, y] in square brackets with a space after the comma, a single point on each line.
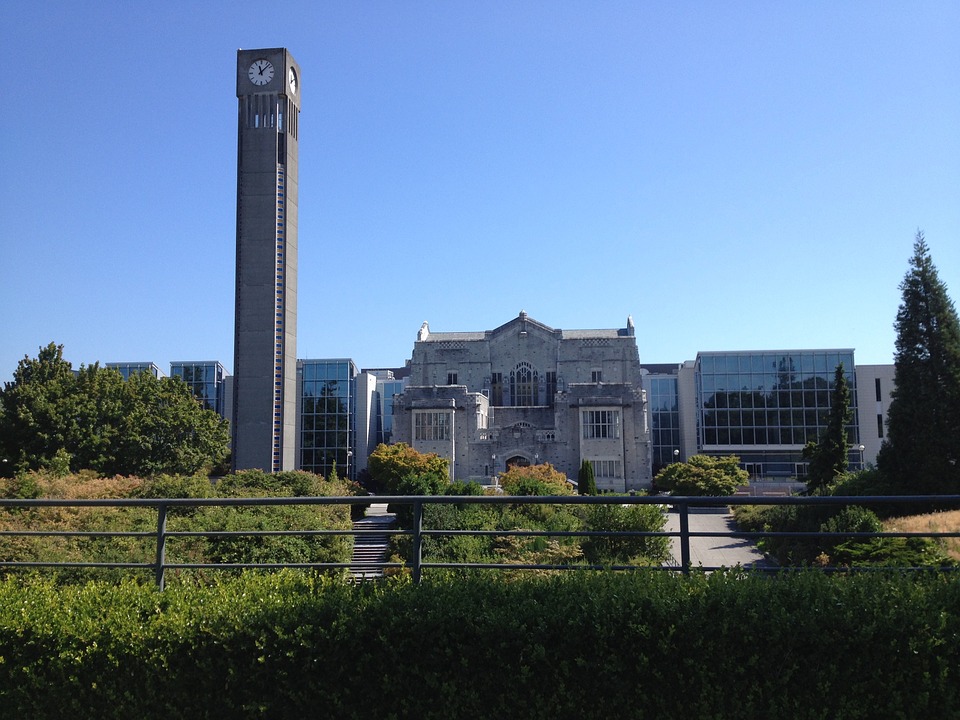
[517, 461]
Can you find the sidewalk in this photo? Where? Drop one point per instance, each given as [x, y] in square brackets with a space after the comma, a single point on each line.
[713, 552]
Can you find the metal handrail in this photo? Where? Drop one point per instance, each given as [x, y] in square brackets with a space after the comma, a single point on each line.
[416, 564]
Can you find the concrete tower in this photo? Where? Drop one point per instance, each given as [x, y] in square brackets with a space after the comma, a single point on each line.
[265, 333]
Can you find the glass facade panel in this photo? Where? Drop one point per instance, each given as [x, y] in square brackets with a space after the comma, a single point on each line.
[327, 422]
[751, 401]
[206, 381]
[664, 419]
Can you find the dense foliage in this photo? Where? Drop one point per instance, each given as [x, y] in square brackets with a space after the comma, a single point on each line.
[804, 646]
[52, 418]
[391, 468]
[703, 475]
[922, 449]
[827, 457]
[543, 479]
[839, 550]
[184, 549]
[532, 480]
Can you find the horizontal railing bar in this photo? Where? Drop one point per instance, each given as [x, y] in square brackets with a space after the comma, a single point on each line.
[684, 504]
[690, 501]
[69, 564]
[78, 533]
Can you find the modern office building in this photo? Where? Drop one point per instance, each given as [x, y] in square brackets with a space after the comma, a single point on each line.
[763, 406]
[327, 422]
[207, 380]
[525, 393]
[129, 368]
[265, 336]
[388, 386]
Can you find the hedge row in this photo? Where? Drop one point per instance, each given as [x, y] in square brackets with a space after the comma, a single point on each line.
[603, 645]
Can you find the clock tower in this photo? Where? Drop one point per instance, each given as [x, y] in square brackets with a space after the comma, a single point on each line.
[265, 330]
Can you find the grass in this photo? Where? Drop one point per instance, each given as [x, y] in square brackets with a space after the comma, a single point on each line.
[948, 521]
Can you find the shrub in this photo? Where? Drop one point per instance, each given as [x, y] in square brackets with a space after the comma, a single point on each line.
[703, 475]
[601, 550]
[587, 645]
[541, 479]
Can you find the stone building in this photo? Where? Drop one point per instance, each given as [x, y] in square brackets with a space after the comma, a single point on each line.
[525, 393]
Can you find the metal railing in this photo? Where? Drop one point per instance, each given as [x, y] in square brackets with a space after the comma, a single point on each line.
[416, 564]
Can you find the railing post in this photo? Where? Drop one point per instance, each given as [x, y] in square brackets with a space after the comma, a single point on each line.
[161, 544]
[684, 510]
[417, 539]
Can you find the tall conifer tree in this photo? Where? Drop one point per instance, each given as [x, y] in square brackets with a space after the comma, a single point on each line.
[828, 457]
[922, 449]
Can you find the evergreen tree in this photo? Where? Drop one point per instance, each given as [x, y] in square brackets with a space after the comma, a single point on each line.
[586, 481]
[922, 449]
[828, 456]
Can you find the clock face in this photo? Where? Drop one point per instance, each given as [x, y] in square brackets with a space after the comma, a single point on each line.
[292, 80]
[261, 72]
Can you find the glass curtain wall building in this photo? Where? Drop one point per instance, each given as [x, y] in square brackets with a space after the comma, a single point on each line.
[326, 421]
[663, 398]
[386, 390]
[762, 406]
[206, 380]
[765, 406]
[129, 368]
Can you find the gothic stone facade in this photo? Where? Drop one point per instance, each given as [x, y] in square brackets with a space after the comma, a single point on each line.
[525, 394]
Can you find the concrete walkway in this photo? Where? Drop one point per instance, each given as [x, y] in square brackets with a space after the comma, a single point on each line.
[714, 552]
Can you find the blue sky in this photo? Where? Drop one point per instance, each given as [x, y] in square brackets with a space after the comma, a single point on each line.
[735, 176]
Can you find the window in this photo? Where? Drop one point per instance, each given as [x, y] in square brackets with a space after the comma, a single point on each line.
[596, 376]
[601, 424]
[606, 468]
[524, 388]
[432, 426]
[451, 378]
[496, 389]
[879, 396]
[879, 426]
[551, 386]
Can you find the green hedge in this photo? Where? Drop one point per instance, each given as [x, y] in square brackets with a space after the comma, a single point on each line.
[602, 645]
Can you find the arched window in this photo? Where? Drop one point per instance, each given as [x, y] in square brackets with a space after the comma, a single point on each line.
[524, 385]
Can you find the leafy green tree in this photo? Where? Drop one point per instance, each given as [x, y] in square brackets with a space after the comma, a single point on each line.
[922, 449]
[390, 464]
[53, 418]
[34, 423]
[828, 456]
[586, 482]
[703, 475]
[543, 479]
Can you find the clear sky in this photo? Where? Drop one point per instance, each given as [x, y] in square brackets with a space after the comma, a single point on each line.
[734, 175]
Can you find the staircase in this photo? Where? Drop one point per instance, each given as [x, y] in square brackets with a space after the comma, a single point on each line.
[370, 546]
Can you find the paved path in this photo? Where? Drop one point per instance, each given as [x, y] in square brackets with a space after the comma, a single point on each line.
[714, 551]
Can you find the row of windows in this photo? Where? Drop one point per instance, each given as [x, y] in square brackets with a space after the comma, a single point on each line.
[603, 424]
[324, 439]
[800, 363]
[523, 384]
[432, 426]
[819, 399]
[765, 418]
[606, 468]
[764, 436]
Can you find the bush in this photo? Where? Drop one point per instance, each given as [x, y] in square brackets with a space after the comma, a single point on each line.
[541, 479]
[180, 549]
[599, 550]
[703, 475]
[601, 645]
